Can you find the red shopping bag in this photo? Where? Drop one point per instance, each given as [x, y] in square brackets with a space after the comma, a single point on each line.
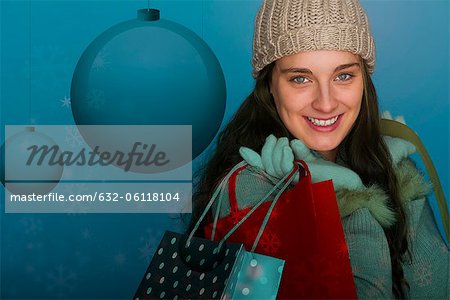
[305, 230]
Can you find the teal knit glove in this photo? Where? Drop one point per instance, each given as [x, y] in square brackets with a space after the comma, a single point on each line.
[321, 169]
[276, 159]
[398, 148]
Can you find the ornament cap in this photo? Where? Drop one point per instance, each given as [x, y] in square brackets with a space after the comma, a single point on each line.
[148, 14]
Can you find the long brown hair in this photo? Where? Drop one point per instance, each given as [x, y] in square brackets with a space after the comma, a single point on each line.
[363, 150]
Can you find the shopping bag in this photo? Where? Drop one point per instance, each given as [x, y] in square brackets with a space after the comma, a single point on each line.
[304, 229]
[194, 272]
[185, 266]
[258, 277]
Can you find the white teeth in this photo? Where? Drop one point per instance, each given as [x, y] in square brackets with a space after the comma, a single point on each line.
[328, 122]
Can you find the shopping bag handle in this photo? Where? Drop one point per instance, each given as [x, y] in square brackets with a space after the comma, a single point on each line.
[234, 206]
[400, 130]
[219, 188]
[306, 173]
[232, 191]
[287, 179]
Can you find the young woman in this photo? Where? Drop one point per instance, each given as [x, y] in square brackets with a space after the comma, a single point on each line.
[314, 100]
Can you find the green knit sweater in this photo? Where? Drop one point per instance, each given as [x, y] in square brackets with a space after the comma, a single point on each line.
[364, 213]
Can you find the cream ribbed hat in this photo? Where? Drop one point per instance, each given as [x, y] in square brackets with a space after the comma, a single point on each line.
[285, 27]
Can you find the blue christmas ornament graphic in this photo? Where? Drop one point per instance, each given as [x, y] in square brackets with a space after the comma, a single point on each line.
[150, 71]
[15, 168]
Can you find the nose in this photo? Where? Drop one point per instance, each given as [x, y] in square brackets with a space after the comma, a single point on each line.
[324, 100]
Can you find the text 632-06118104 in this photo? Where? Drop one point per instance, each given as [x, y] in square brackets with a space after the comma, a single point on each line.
[152, 197]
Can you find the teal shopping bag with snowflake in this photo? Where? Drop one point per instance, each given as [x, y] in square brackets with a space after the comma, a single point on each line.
[258, 277]
[191, 267]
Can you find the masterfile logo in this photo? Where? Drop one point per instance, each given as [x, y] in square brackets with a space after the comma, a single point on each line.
[133, 168]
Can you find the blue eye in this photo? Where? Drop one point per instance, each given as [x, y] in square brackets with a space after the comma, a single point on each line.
[300, 79]
[344, 77]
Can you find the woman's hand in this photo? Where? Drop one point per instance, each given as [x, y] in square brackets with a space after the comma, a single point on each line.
[398, 148]
[277, 160]
[321, 169]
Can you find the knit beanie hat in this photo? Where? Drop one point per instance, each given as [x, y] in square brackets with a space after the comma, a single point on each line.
[285, 27]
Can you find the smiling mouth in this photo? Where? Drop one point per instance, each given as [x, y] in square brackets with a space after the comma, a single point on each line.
[323, 122]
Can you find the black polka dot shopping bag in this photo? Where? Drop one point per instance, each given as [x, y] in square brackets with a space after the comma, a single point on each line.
[188, 267]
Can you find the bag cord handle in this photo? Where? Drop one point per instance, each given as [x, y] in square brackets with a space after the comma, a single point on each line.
[219, 191]
[213, 198]
[396, 129]
[289, 177]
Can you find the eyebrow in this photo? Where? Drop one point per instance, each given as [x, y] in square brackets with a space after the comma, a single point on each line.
[308, 71]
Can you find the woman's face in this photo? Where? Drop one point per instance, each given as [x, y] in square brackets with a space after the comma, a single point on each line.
[318, 96]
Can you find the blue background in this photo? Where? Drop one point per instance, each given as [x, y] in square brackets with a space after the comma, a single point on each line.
[105, 256]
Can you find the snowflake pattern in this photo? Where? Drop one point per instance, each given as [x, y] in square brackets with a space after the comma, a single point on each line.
[101, 61]
[423, 274]
[177, 222]
[147, 251]
[86, 234]
[74, 208]
[120, 259]
[275, 214]
[237, 216]
[96, 99]
[61, 281]
[73, 137]
[116, 261]
[66, 102]
[150, 243]
[34, 246]
[32, 226]
[270, 243]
